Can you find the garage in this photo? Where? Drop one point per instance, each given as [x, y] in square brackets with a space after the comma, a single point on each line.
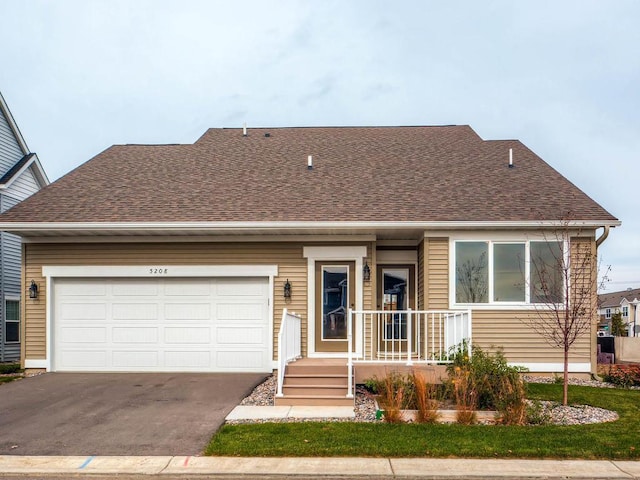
[161, 324]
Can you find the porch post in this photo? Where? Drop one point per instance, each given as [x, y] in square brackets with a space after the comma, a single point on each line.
[350, 354]
[409, 337]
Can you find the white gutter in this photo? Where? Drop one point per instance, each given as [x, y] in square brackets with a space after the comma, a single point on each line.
[266, 226]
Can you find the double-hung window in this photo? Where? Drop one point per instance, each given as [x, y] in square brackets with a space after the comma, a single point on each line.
[607, 313]
[625, 311]
[11, 320]
[508, 272]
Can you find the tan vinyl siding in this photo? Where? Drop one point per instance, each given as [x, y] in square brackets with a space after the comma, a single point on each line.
[421, 275]
[287, 256]
[505, 328]
[511, 331]
[437, 273]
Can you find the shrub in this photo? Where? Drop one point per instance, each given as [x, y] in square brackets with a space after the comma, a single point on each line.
[623, 375]
[497, 385]
[7, 368]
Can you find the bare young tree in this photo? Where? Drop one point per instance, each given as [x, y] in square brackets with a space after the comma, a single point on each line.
[563, 287]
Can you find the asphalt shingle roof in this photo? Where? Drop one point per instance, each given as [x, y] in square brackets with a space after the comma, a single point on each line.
[425, 174]
[614, 299]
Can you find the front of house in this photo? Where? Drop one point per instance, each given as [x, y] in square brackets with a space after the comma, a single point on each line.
[394, 243]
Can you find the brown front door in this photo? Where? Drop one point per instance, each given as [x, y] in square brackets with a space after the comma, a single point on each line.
[335, 294]
[395, 293]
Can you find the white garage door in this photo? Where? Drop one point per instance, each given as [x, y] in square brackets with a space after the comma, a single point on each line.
[161, 325]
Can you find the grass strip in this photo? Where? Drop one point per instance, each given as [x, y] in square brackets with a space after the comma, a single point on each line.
[614, 440]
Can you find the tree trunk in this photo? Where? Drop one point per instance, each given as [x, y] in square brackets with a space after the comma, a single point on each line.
[565, 386]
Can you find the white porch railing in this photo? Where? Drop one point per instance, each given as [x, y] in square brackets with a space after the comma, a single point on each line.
[289, 344]
[405, 336]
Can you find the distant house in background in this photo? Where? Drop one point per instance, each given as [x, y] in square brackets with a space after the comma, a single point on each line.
[21, 175]
[625, 302]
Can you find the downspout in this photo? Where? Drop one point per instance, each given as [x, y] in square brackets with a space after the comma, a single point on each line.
[594, 340]
[604, 236]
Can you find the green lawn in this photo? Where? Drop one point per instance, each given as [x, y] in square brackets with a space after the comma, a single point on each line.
[615, 440]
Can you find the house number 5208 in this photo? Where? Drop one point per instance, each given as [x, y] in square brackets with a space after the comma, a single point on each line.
[158, 271]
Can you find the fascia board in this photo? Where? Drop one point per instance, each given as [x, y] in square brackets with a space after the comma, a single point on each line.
[266, 226]
[34, 164]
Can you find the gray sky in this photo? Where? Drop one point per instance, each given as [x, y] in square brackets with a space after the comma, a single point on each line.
[561, 76]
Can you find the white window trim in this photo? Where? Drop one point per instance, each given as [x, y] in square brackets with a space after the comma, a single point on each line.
[338, 254]
[11, 298]
[499, 238]
[145, 271]
[607, 313]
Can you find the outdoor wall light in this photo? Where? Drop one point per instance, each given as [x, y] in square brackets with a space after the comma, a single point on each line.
[33, 290]
[287, 289]
[366, 272]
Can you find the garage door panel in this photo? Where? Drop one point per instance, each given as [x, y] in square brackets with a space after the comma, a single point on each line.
[232, 287]
[239, 359]
[91, 288]
[188, 288]
[240, 336]
[84, 311]
[134, 311]
[83, 335]
[188, 335]
[191, 360]
[228, 312]
[135, 359]
[187, 311]
[134, 335]
[134, 289]
[83, 359]
[161, 324]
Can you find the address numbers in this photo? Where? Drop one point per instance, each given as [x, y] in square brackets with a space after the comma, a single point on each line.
[158, 271]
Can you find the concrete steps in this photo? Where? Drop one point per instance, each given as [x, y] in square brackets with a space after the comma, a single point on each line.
[311, 382]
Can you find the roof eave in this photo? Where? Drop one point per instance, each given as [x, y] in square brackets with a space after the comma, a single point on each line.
[189, 228]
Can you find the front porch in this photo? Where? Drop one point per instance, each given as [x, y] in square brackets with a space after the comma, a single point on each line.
[377, 342]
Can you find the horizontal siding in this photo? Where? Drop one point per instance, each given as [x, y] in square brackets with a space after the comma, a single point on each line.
[10, 151]
[23, 187]
[512, 331]
[437, 265]
[288, 257]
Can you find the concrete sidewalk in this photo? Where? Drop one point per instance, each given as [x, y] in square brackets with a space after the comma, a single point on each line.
[366, 468]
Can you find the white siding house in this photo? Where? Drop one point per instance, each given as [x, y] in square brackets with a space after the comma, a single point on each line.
[21, 175]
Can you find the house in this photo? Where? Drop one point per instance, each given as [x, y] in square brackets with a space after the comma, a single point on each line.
[21, 175]
[184, 257]
[624, 302]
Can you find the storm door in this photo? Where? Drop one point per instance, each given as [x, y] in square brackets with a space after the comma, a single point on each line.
[395, 297]
[335, 294]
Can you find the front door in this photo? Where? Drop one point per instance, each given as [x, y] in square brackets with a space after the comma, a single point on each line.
[335, 294]
[396, 294]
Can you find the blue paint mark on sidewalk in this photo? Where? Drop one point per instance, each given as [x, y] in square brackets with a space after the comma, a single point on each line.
[86, 462]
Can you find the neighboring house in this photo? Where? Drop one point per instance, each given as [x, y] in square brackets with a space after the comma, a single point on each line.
[182, 257]
[626, 302]
[21, 175]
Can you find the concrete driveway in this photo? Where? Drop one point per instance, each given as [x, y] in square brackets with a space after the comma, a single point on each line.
[117, 414]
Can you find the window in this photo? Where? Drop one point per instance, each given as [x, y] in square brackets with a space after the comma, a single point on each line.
[625, 311]
[607, 313]
[12, 321]
[508, 272]
[546, 272]
[472, 272]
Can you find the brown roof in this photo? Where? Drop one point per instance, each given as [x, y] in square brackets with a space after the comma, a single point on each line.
[614, 299]
[425, 174]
